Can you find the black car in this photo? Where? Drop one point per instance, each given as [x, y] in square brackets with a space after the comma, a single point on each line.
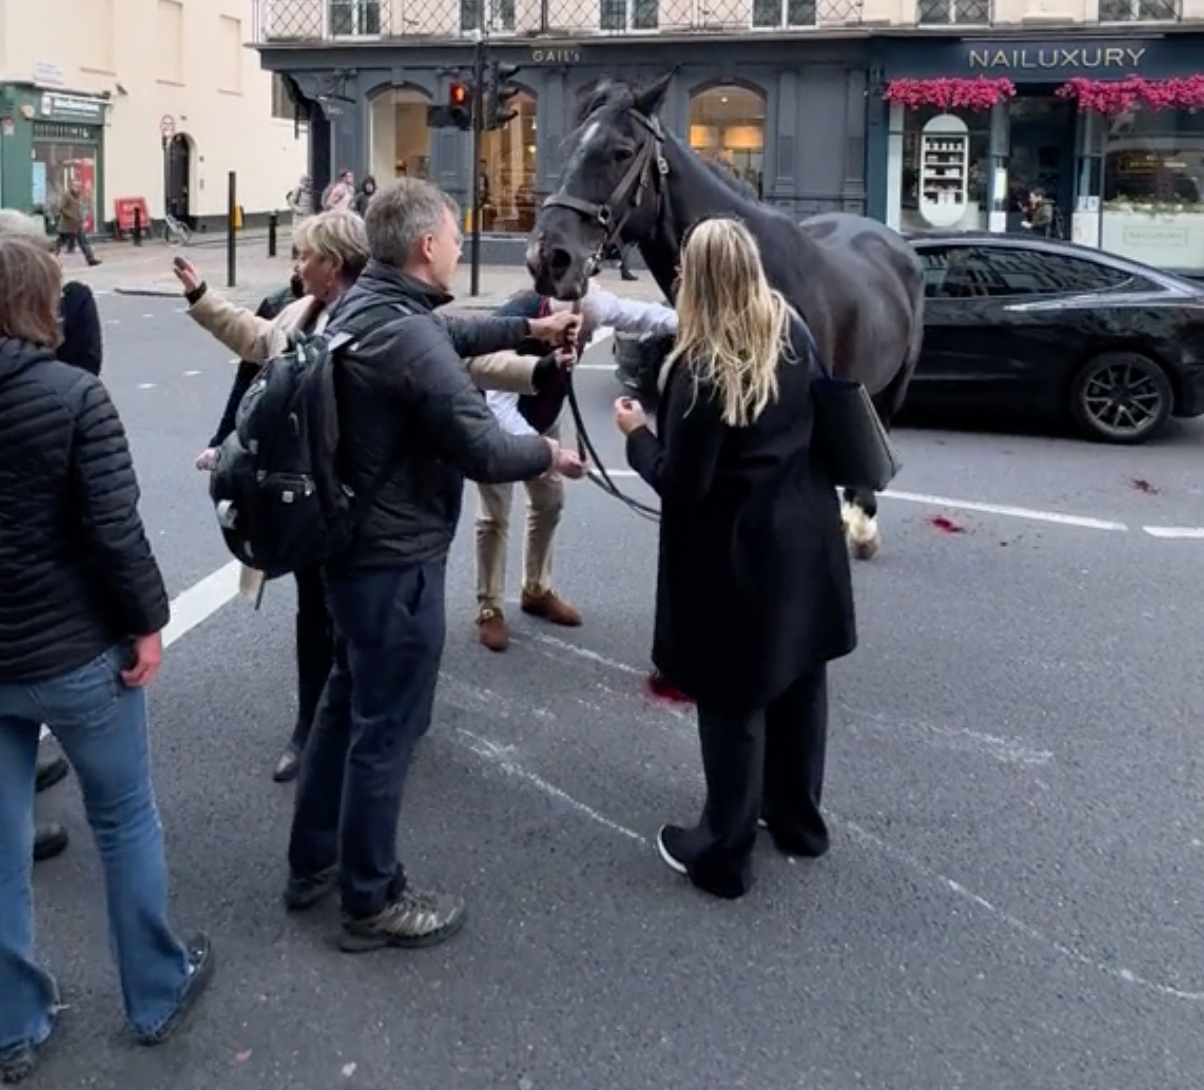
[1039, 326]
[1050, 327]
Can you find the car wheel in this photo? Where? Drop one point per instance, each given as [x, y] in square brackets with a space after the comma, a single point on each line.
[1121, 397]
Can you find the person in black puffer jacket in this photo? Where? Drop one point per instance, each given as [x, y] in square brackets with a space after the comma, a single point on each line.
[82, 607]
[82, 346]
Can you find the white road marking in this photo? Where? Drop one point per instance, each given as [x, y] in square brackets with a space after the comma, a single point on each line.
[1181, 533]
[1006, 510]
[1057, 518]
[146, 386]
[197, 604]
[190, 374]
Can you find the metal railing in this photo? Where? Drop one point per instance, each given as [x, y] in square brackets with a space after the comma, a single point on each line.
[324, 21]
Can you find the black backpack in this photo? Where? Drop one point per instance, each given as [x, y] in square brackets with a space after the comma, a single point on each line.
[280, 503]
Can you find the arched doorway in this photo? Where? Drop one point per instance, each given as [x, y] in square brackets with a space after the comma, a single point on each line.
[178, 181]
[727, 125]
[506, 173]
[399, 136]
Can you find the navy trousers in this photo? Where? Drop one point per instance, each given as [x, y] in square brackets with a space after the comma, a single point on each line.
[389, 633]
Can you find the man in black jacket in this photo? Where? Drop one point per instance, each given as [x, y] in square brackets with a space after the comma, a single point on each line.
[414, 428]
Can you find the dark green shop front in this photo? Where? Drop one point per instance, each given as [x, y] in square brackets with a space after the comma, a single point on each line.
[1110, 128]
[48, 138]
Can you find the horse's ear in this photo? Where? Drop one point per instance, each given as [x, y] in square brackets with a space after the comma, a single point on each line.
[649, 101]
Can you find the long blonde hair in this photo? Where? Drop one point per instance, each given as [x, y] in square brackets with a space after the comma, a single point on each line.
[732, 327]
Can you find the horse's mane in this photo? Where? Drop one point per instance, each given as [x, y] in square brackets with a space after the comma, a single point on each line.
[613, 96]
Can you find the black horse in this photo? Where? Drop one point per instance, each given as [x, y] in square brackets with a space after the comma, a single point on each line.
[858, 284]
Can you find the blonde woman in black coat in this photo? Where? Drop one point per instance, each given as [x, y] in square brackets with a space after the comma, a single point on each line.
[754, 595]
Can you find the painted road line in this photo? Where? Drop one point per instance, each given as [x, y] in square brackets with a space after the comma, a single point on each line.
[197, 604]
[1182, 533]
[1006, 511]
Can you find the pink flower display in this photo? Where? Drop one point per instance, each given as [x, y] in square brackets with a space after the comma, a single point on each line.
[980, 93]
[1118, 96]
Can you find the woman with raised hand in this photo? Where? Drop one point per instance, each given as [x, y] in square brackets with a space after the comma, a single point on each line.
[754, 595]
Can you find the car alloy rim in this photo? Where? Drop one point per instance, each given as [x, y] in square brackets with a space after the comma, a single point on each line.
[1123, 397]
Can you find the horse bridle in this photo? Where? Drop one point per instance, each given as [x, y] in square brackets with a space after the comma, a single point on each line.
[637, 179]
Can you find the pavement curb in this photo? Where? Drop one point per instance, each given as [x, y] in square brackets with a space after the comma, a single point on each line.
[158, 293]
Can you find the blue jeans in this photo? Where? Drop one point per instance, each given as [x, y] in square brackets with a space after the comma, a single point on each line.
[101, 725]
[380, 695]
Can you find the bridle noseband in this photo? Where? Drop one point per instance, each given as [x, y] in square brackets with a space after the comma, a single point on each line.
[638, 179]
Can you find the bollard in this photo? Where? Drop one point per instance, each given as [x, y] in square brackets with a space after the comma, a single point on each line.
[137, 225]
[272, 222]
[231, 236]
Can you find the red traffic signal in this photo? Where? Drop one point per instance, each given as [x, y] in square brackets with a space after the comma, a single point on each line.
[458, 94]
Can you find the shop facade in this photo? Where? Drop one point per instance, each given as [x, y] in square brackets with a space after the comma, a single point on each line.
[962, 130]
[48, 139]
[788, 117]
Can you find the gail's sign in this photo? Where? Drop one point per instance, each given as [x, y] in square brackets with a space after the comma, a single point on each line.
[561, 54]
[1011, 57]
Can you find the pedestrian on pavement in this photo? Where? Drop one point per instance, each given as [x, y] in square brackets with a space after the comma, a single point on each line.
[414, 427]
[71, 222]
[367, 189]
[82, 607]
[332, 252]
[754, 595]
[539, 413]
[83, 347]
[301, 203]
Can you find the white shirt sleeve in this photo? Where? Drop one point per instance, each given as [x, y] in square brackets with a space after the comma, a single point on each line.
[504, 406]
[605, 309]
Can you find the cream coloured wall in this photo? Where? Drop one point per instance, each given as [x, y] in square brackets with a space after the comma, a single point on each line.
[186, 58]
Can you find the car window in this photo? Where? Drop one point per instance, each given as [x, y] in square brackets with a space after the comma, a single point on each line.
[970, 272]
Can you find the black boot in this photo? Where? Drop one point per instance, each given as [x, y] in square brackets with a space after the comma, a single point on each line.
[51, 770]
[50, 839]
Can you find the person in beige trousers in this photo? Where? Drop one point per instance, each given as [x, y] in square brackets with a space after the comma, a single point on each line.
[539, 413]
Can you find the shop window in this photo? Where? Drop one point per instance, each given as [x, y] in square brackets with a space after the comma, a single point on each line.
[942, 171]
[60, 157]
[969, 272]
[1153, 188]
[497, 15]
[628, 14]
[784, 13]
[399, 137]
[506, 174]
[1138, 11]
[953, 12]
[354, 18]
[727, 126]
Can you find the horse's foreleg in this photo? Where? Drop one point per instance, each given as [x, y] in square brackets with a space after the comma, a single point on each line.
[859, 514]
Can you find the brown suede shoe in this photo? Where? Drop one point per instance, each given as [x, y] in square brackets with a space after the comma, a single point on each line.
[550, 608]
[492, 629]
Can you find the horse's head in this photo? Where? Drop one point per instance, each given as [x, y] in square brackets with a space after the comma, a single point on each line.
[610, 192]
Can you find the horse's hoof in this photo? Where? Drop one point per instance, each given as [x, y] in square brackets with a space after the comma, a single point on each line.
[864, 550]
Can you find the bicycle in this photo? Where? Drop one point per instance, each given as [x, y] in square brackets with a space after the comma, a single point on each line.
[175, 232]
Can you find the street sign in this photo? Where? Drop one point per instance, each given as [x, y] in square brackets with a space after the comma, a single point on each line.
[167, 126]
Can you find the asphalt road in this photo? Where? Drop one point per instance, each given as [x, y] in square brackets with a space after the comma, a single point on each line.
[1011, 902]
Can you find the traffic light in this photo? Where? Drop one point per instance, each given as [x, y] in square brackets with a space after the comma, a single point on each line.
[498, 91]
[457, 114]
[459, 104]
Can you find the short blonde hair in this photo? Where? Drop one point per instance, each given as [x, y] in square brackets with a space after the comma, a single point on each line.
[339, 235]
[14, 224]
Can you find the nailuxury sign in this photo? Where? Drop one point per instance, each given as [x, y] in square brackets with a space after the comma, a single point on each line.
[995, 57]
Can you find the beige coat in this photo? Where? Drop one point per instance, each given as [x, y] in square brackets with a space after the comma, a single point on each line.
[257, 340]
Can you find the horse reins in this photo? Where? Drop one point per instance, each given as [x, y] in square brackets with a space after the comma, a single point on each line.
[636, 180]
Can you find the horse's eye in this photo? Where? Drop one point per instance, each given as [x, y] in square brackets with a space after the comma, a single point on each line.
[623, 154]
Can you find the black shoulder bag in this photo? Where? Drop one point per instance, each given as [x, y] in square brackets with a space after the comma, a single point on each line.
[849, 436]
